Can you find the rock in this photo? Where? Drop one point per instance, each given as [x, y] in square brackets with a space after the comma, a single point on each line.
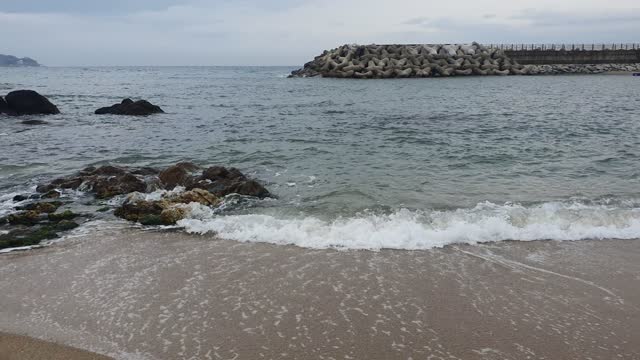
[66, 225]
[117, 185]
[19, 198]
[249, 188]
[177, 175]
[221, 181]
[150, 220]
[52, 194]
[105, 181]
[28, 218]
[166, 211]
[172, 215]
[66, 215]
[26, 237]
[4, 108]
[199, 196]
[216, 173]
[34, 122]
[42, 207]
[130, 107]
[134, 209]
[28, 102]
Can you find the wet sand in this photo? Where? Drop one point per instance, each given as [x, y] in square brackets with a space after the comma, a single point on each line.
[153, 295]
[15, 347]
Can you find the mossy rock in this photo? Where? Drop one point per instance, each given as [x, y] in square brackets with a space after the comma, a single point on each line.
[28, 218]
[42, 207]
[151, 220]
[66, 215]
[26, 237]
[52, 194]
[104, 209]
[65, 225]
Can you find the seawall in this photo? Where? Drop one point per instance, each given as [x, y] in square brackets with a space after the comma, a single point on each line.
[443, 60]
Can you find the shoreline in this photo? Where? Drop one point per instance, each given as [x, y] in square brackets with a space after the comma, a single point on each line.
[133, 294]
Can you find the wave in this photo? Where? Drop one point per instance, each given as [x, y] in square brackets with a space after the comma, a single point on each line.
[418, 230]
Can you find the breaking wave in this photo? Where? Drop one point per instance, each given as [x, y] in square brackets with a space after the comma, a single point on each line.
[415, 230]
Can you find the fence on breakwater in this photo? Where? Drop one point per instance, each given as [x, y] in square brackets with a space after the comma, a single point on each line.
[541, 54]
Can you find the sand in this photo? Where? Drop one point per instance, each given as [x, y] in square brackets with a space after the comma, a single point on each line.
[15, 347]
[152, 295]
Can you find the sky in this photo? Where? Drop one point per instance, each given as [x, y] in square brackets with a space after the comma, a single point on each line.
[289, 32]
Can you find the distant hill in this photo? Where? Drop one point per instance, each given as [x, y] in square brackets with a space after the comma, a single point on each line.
[10, 60]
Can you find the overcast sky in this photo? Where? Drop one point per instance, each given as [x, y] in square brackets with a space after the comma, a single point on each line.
[289, 32]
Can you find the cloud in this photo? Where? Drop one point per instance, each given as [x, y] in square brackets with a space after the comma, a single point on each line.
[287, 32]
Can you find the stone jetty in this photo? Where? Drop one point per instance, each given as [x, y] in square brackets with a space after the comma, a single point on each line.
[433, 60]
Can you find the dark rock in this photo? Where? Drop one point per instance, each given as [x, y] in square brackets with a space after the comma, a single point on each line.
[65, 225]
[35, 122]
[105, 181]
[145, 171]
[27, 102]
[107, 170]
[26, 237]
[216, 173]
[53, 194]
[249, 188]
[19, 198]
[130, 107]
[177, 175]
[4, 108]
[66, 215]
[166, 211]
[137, 209]
[42, 207]
[118, 185]
[221, 181]
[28, 218]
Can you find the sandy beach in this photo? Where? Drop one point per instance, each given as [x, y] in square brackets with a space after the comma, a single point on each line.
[15, 347]
[132, 294]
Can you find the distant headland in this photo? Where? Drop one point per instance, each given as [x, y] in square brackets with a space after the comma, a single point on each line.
[10, 60]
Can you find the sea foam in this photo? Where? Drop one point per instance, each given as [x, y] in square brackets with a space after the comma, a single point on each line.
[414, 230]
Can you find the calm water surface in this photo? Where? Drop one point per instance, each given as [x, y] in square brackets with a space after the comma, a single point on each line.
[406, 163]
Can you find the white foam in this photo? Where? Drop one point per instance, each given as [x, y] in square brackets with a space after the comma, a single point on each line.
[413, 230]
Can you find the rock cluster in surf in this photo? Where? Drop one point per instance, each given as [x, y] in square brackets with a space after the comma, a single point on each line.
[411, 61]
[175, 189]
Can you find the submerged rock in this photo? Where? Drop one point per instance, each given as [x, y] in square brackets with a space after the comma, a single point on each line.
[130, 107]
[27, 102]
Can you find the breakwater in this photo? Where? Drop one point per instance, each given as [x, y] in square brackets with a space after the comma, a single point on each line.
[442, 60]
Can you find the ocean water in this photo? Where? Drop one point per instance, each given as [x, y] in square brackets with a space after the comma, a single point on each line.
[400, 163]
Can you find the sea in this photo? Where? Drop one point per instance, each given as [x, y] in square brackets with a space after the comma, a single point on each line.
[354, 164]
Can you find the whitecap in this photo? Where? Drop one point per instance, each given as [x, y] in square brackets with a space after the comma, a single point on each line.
[415, 230]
